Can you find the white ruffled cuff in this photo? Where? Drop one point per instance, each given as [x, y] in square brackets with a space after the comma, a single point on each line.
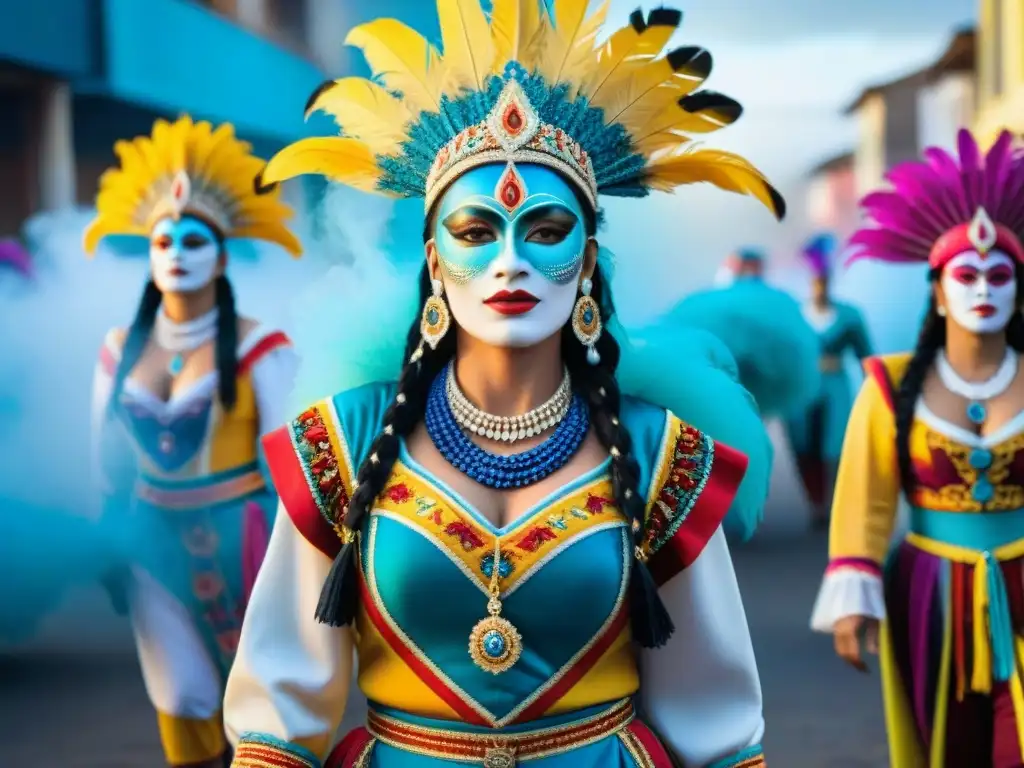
[847, 592]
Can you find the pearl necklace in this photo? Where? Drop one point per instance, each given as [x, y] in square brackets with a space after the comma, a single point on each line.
[182, 338]
[977, 392]
[509, 429]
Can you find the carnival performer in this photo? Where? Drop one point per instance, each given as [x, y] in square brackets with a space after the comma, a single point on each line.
[192, 385]
[816, 432]
[506, 527]
[942, 425]
[775, 348]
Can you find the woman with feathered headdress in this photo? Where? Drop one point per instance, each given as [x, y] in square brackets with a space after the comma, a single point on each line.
[180, 398]
[816, 430]
[943, 427]
[520, 555]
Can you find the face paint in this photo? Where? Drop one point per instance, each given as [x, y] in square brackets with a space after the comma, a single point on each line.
[183, 254]
[981, 293]
[511, 243]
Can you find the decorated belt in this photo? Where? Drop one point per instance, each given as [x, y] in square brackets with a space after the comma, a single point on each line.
[829, 363]
[501, 750]
[206, 492]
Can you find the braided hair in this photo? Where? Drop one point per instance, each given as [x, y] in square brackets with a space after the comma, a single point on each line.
[225, 345]
[596, 384]
[930, 340]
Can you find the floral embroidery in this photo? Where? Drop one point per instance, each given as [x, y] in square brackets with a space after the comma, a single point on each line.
[398, 493]
[467, 537]
[506, 566]
[689, 466]
[535, 537]
[313, 444]
[596, 504]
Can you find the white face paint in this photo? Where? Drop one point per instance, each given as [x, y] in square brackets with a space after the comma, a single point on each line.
[981, 293]
[511, 276]
[183, 255]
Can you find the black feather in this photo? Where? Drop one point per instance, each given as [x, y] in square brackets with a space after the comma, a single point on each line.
[259, 187]
[324, 86]
[725, 108]
[664, 17]
[778, 202]
[636, 19]
[694, 60]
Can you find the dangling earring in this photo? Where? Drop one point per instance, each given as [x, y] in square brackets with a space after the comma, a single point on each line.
[940, 310]
[586, 321]
[436, 319]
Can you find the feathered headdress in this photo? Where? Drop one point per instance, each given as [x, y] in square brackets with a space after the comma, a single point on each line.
[943, 206]
[188, 168]
[818, 252]
[524, 85]
[14, 255]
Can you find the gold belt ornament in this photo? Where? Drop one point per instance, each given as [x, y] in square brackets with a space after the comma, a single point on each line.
[505, 750]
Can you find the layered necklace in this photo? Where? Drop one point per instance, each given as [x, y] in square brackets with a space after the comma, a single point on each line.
[509, 429]
[495, 644]
[183, 338]
[977, 393]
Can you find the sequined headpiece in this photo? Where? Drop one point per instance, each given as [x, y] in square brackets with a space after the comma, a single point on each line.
[524, 85]
[188, 168]
[943, 206]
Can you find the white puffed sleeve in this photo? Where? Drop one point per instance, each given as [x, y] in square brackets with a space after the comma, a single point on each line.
[273, 376]
[290, 680]
[701, 691]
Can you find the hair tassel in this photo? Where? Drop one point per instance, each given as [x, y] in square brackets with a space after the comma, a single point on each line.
[339, 596]
[652, 625]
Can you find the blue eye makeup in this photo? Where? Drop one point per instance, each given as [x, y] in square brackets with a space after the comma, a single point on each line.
[186, 233]
[492, 208]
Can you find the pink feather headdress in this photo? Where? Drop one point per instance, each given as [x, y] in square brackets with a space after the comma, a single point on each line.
[941, 206]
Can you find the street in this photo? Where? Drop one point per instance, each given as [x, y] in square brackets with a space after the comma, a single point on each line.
[76, 699]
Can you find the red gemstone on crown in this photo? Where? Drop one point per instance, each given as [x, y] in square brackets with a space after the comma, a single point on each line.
[513, 119]
[511, 190]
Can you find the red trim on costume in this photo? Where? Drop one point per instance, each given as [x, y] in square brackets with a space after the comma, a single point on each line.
[107, 360]
[958, 240]
[253, 754]
[875, 368]
[652, 745]
[862, 564]
[420, 669]
[727, 470]
[267, 344]
[576, 672]
[349, 749]
[293, 489]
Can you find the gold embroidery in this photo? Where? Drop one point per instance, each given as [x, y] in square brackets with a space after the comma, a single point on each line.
[956, 497]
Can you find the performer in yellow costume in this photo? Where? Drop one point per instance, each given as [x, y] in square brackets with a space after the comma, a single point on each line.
[189, 386]
[513, 539]
[944, 426]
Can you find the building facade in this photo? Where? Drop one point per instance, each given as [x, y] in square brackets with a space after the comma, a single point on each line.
[832, 195]
[948, 99]
[76, 75]
[1000, 68]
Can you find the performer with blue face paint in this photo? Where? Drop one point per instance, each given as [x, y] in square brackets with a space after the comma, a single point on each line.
[521, 557]
[180, 399]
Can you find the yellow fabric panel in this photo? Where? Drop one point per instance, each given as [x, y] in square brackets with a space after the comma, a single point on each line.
[905, 750]
[187, 741]
[235, 432]
[613, 677]
[867, 484]
[386, 679]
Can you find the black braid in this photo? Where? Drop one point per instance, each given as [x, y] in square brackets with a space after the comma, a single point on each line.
[931, 339]
[651, 623]
[136, 339]
[226, 349]
[338, 598]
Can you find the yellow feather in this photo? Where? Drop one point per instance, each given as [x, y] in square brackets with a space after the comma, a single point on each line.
[640, 96]
[568, 54]
[468, 53]
[723, 169]
[515, 29]
[403, 60]
[660, 141]
[365, 111]
[626, 51]
[347, 161]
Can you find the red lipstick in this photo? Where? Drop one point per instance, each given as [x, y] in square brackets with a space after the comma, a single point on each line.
[177, 272]
[512, 302]
[985, 310]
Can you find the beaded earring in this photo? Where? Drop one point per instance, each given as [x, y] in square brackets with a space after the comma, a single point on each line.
[586, 321]
[436, 319]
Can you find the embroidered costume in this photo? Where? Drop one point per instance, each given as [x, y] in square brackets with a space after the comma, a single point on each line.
[816, 432]
[181, 475]
[551, 675]
[950, 594]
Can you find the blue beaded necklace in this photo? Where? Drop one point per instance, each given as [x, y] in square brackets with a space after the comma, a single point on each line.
[493, 470]
[977, 394]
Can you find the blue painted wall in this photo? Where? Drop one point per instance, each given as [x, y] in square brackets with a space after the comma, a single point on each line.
[60, 37]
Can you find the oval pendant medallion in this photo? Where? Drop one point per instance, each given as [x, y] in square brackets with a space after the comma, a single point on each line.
[495, 645]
